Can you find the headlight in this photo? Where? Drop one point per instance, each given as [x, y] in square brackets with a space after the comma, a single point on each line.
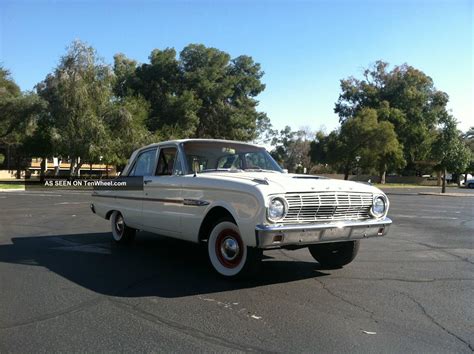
[276, 209]
[379, 207]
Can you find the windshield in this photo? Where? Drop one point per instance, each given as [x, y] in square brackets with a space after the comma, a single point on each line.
[221, 156]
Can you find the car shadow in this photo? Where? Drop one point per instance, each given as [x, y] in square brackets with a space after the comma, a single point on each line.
[150, 266]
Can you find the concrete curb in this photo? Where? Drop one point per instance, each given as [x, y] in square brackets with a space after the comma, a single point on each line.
[448, 194]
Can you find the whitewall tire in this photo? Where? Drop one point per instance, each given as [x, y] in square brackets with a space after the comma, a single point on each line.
[228, 253]
[120, 231]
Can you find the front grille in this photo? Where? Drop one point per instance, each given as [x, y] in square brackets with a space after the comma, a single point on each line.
[327, 206]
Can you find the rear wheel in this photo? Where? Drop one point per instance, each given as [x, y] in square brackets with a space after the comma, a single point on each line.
[335, 254]
[470, 185]
[228, 254]
[120, 231]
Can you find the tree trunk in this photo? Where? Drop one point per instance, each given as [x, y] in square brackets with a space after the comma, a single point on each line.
[382, 177]
[438, 176]
[72, 168]
[42, 169]
[57, 168]
[8, 157]
[77, 173]
[18, 167]
[443, 188]
[465, 178]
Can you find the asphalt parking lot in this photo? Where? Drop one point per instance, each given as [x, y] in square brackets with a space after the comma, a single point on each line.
[64, 286]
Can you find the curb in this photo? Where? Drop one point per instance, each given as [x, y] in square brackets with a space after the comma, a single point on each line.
[448, 194]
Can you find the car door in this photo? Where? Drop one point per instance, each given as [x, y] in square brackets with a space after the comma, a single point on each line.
[131, 201]
[163, 202]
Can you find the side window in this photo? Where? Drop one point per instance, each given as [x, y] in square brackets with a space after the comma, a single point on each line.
[144, 164]
[167, 162]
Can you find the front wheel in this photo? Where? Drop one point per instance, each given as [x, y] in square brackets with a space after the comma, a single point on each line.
[120, 231]
[335, 254]
[228, 254]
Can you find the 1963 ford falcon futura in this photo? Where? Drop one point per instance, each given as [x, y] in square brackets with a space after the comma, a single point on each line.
[235, 198]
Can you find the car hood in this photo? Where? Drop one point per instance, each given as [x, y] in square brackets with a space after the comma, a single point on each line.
[286, 183]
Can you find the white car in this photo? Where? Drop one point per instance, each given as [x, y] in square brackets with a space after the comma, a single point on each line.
[235, 198]
[469, 183]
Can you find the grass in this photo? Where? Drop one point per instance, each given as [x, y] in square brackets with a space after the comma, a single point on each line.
[11, 186]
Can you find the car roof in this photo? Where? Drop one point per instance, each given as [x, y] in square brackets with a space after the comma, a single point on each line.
[180, 141]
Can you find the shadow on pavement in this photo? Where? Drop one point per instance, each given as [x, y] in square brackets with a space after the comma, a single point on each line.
[151, 266]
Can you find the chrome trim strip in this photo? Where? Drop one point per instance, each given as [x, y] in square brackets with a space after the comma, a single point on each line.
[190, 202]
[303, 235]
[176, 201]
[323, 225]
[195, 202]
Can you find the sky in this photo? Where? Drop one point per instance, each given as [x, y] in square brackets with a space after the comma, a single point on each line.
[304, 47]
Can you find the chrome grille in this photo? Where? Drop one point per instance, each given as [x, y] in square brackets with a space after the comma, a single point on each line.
[327, 206]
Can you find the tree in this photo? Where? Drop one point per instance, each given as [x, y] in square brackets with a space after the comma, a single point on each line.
[42, 142]
[292, 149]
[449, 149]
[126, 131]
[468, 138]
[362, 141]
[79, 96]
[18, 113]
[405, 97]
[202, 93]
[264, 131]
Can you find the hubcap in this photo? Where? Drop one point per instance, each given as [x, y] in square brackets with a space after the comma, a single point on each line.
[230, 248]
[119, 225]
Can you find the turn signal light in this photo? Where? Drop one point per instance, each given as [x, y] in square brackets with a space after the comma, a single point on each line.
[277, 238]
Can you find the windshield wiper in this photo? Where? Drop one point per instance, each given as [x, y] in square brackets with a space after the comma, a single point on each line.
[220, 170]
[258, 170]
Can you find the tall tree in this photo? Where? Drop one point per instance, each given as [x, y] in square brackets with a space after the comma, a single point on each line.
[468, 138]
[449, 149]
[201, 93]
[405, 97]
[292, 149]
[18, 113]
[79, 96]
[362, 141]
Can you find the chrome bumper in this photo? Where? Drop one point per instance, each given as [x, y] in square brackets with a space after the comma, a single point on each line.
[276, 236]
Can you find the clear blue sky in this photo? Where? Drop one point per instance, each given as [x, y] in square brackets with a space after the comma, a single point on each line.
[304, 47]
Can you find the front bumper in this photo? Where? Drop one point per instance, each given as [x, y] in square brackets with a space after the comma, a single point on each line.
[277, 236]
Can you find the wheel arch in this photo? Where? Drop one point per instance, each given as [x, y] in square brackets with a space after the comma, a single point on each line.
[214, 214]
[109, 214]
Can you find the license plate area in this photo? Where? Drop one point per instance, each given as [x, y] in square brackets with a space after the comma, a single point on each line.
[336, 233]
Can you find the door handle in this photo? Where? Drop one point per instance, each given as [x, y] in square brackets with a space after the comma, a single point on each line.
[147, 181]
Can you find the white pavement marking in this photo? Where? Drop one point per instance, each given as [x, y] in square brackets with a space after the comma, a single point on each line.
[70, 203]
[37, 195]
[422, 217]
[436, 211]
[229, 306]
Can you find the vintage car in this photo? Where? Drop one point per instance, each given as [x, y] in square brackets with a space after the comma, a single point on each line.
[234, 198]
